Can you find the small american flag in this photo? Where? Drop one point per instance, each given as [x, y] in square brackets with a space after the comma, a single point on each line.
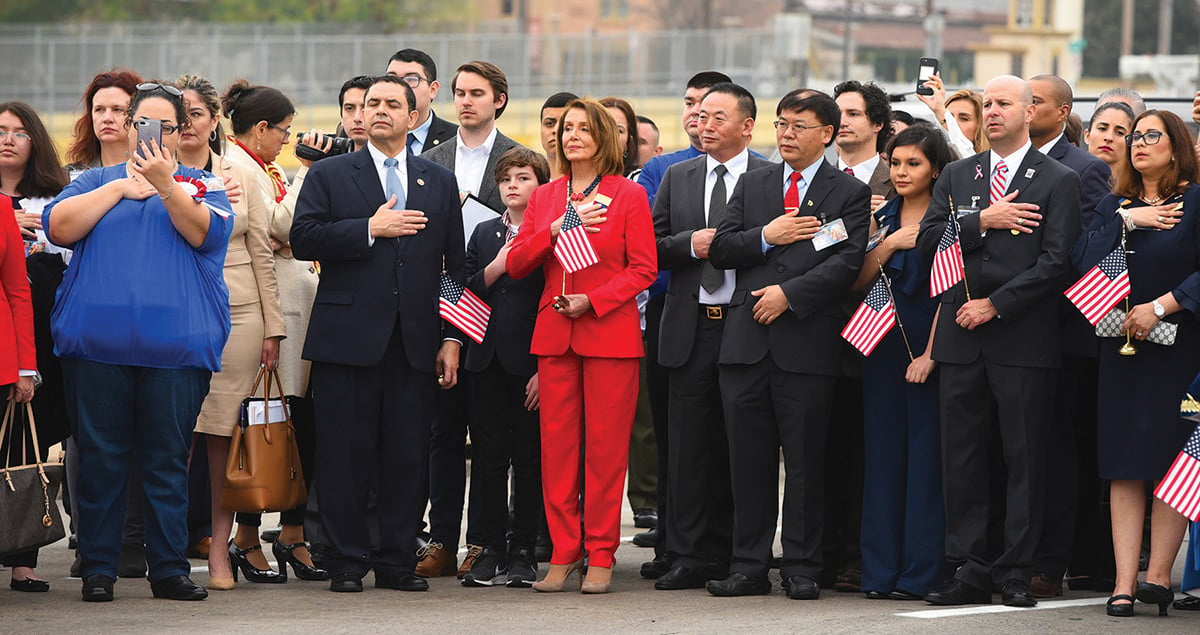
[460, 307]
[873, 319]
[1180, 488]
[947, 262]
[573, 248]
[1101, 288]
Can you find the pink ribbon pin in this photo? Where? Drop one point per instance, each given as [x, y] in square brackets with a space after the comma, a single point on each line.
[978, 171]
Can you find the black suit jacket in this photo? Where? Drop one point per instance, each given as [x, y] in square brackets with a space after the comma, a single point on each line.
[1022, 275]
[805, 338]
[364, 289]
[514, 306]
[678, 212]
[1079, 336]
[440, 131]
[489, 192]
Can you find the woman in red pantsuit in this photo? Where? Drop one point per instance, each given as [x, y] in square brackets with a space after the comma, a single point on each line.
[588, 340]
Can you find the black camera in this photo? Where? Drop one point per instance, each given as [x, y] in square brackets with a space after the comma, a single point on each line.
[337, 145]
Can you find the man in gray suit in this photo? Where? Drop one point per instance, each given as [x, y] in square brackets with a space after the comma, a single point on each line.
[480, 95]
[689, 203]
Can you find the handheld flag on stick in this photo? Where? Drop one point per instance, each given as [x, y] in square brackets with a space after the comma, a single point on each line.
[1102, 287]
[1180, 488]
[873, 319]
[458, 306]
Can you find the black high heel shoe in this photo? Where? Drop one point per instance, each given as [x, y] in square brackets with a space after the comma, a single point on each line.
[1120, 610]
[304, 571]
[237, 558]
[1149, 593]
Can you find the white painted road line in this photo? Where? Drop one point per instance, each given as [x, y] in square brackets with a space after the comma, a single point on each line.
[983, 610]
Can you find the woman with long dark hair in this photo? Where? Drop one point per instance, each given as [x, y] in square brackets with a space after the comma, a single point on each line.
[30, 176]
[1154, 215]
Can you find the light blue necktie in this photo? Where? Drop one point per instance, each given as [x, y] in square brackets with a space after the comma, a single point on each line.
[394, 186]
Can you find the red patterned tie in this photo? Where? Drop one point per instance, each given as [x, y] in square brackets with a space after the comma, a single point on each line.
[791, 199]
[999, 182]
[849, 171]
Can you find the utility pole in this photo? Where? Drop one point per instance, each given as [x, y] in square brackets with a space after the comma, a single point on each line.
[847, 40]
[1165, 8]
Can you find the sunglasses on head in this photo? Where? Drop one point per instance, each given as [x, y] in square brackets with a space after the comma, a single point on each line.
[166, 88]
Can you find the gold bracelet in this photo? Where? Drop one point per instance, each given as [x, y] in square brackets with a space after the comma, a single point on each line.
[169, 191]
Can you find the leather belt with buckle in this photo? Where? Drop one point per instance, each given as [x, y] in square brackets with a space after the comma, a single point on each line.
[714, 312]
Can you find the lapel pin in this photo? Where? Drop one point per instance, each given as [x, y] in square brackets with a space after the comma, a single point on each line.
[497, 234]
[975, 202]
[420, 181]
[1029, 173]
[810, 203]
[978, 171]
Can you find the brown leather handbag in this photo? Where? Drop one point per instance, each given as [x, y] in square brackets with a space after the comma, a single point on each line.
[263, 471]
[29, 516]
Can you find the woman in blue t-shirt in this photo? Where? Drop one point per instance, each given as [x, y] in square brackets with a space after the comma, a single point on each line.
[140, 320]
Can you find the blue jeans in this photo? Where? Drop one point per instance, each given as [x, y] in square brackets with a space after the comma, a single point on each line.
[126, 414]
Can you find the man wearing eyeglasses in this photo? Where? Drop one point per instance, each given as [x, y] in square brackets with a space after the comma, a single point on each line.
[417, 70]
[795, 234]
[997, 341]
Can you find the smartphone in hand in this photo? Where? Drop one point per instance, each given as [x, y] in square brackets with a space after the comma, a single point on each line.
[149, 132]
[927, 67]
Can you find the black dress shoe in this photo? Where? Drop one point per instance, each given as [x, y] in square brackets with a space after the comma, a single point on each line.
[656, 568]
[402, 582]
[29, 585]
[956, 592]
[876, 595]
[681, 577]
[1119, 610]
[645, 518]
[1187, 603]
[98, 588]
[1018, 593]
[901, 594]
[346, 583]
[177, 587]
[739, 584]
[1149, 593]
[646, 538]
[799, 587]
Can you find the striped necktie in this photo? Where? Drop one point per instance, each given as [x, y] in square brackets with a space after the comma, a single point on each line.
[999, 182]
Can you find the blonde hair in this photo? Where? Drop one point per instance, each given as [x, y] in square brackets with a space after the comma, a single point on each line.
[980, 141]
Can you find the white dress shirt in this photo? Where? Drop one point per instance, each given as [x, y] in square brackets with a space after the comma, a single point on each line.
[863, 171]
[734, 169]
[471, 163]
[1053, 142]
[421, 133]
[378, 157]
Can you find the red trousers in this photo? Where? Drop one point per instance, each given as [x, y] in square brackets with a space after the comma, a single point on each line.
[587, 406]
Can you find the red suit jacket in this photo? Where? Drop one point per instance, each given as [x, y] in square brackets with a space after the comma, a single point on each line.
[628, 265]
[16, 308]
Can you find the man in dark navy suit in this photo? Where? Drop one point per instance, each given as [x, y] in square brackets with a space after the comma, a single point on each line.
[795, 233]
[382, 222]
[1072, 484]
[690, 201]
[418, 70]
[997, 341]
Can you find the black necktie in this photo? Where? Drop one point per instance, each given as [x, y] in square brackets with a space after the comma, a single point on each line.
[712, 278]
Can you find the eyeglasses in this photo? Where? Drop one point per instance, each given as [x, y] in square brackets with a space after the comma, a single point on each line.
[16, 136]
[1150, 138]
[287, 132]
[796, 128]
[167, 128]
[166, 88]
[414, 80]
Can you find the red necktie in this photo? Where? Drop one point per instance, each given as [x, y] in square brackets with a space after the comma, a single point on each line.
[849, 171]
[999, 182]
[791, 199]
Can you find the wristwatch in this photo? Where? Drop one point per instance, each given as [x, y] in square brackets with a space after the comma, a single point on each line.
[1159, 310]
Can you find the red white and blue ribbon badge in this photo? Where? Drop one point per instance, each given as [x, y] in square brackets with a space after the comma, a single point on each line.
[978, 171]
[194, 188]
